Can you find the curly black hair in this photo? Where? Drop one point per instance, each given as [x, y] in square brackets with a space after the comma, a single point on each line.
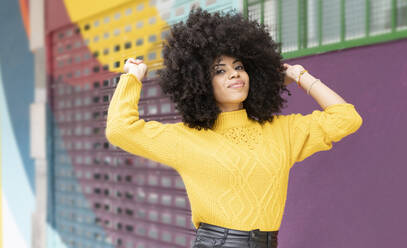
[192, 47]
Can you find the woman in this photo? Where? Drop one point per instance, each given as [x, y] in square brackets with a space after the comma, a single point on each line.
[231, 149]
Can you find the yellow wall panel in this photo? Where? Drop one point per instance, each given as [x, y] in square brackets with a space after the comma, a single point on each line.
[80, 9]
[123, 25]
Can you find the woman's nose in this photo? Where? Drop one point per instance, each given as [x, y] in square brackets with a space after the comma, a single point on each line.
[234, 73]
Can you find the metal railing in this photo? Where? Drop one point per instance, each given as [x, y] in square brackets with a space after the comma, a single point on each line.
[305, 27]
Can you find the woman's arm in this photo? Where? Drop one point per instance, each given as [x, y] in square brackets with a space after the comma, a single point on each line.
[318, 90]
[311, 133]
[308, 134]
[150, 139]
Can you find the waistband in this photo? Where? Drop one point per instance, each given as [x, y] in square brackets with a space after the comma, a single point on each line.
[252, 233]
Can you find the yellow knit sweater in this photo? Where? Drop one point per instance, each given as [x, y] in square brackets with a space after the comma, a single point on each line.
[236, 174]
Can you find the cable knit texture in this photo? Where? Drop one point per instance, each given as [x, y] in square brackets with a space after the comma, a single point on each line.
[236, 174]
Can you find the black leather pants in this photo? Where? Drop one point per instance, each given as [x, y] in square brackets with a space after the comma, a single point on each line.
[211, 236]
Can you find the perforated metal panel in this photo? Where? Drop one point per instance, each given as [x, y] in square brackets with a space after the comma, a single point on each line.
[314, 26]
[104, 196]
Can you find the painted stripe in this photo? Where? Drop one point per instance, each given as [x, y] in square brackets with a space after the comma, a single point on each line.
[24, 10]
[12, 234]
[54, 240]
[16, 187]
[1, 188]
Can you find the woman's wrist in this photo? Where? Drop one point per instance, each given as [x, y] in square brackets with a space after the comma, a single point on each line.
[306, 80]
[302, 72]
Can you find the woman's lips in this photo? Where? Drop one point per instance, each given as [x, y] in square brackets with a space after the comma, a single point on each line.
[236, 85]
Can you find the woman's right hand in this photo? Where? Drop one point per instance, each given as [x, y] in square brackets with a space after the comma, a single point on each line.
[135, 67]
[292, 73]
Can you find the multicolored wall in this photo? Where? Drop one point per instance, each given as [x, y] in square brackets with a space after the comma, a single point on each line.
[99, 195]
[331, 195]
[16, 95]
[64, 185]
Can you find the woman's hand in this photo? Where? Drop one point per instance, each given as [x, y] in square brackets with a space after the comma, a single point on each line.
[135, 67]
[291, 73]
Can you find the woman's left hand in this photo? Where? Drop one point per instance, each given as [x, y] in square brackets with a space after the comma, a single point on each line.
[291, 73]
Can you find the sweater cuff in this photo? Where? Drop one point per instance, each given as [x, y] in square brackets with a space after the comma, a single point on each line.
[339, 105]
[131, 77]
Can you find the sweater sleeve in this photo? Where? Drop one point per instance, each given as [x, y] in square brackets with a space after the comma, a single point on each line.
[308, 134]
[150, 139]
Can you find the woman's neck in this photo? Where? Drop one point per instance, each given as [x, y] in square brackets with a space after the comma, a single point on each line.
[231, 107]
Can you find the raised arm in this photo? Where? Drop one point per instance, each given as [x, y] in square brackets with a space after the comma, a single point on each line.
[308, 134]
[153, 140]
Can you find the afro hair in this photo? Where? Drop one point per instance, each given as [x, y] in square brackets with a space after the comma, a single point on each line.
[192, 47]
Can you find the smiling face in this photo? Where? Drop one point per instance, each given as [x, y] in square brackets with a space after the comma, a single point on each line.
[230, 83]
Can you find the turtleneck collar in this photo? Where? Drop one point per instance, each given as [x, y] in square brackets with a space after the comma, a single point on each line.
[237, 118]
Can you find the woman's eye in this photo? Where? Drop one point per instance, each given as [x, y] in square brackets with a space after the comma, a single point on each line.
[218, 71]
[240, 67]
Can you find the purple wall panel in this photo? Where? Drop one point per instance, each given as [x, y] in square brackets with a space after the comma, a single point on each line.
[354, 194]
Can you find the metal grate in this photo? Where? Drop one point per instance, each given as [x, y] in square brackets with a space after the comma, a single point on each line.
[312, 23]
[380, 16]
[355, 16]
[401, 14]
[313, 26]
[289, 25]
[254, 11]
[271, 18]
[331, 21]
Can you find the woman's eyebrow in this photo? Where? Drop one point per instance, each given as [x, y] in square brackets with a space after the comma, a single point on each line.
[224, 64]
